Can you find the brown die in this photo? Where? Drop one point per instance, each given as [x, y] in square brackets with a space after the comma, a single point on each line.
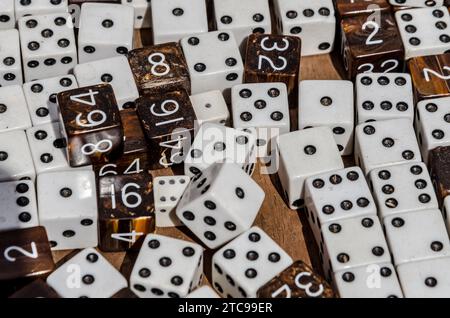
[297, 281]
[159, 68]
[349, 8]
[439, 166]
[126, 210]
[91, 124]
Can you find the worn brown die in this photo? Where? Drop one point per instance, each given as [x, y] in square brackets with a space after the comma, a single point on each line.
[297, 281]
[36, 289]
[125, 293]
[439, 166]
[274, 58]
[349, 8]
[159, 68]
[371, 45]
[126, 210]
[91, 124]
[25, 253]
[135, 152]
[430, 76]
[168, 123]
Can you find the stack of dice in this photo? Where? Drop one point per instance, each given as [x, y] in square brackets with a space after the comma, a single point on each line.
[104, 143]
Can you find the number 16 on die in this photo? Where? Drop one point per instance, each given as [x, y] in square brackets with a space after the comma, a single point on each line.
[91, 124]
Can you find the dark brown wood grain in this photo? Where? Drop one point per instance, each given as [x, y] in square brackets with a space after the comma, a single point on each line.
[439, 166]
[433, 86]
[167, 70]
[14, 263]
[124, 219]
[361, 46]
[103, 99]
[349, 8]
[286, 284]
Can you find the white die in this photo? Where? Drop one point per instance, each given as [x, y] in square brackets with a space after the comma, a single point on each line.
[424, 31]
[245, 264]
[13, 109]
[167, 192]
[68, 208]
[39, 7]
[303, 154]
[166, 267]
[48, 148]
[417, 3]
[142, 13]
[403, 188]
[353, 242]
[372, 281]
[433, 124]
[328, 103]
[381, 96]
[16, 162]
[114, 71]
[87, 274]
[41, 97]
[7, 15]
[216, 143]
[210, 107]
[10, 58]
[311, 20]
[220, 203]
[19, 205]
[337, 195]
[426, 279]
[203, 292]
[48, 45]
[243, 18]
[214, 62]
[417, 236]
[385, 143]
[106, 30]
[175, 19]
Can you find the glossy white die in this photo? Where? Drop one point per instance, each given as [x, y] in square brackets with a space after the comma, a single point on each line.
[311, 20]
[106, 30]
[417, 236]
[48, 148]
[385, 143]
[87, 274]
[39, 7]
[10, 58]
[16, 162]
[424, 31]
[13, 109]
[210, 107]
[19, 205]
[214, 62]
[41, 97]
[243, 18]
[7, 14]
[433, 124]
[142, 13]
[337, 195]
[167, 192]
[426, 279]
[403, 188]
[303, 154]
[328, 103]
[417, 3]
[245, 264]
[216, 143]
[114, 71]
[68, 208]
[372, 281]
[166, 267]
[381, 96]
[220, 203]
[48, 45]
[175, 19]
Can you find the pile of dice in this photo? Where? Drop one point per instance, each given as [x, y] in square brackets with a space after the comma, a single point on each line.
[86, 117]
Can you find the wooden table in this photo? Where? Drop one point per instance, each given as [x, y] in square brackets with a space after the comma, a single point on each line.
[287, 227]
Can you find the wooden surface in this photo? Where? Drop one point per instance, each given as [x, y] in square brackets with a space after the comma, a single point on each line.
[287, 227]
